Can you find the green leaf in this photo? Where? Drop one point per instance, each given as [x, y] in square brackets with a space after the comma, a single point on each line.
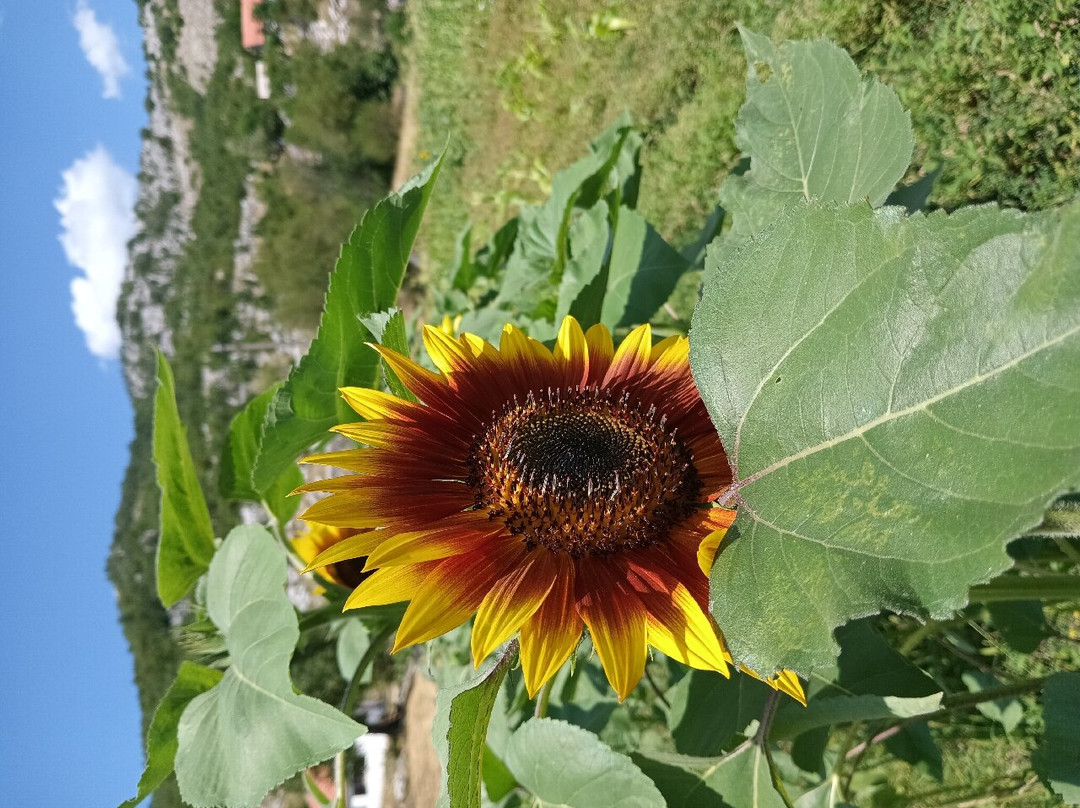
[915, 745]
[352, 643]
[251, 731]
[897, 397]
[845, 709]
[460, 728]
[740, 779]
[868, 665]
[1057, 760]
[161, 743]
[1021, 623]
[186, 539]
[1008, 712]
[708, 709]
[535, 268]
[581, 291]
[498, 780]
[238, 461]
[581, 693]
[826, 794]
[813, 129]
[463, 271]
[388, 329]
[565, 766]
[366, 280]
[916, 196]
[644, 271]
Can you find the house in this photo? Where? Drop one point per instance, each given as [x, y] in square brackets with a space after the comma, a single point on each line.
[252, 38]
[251, 27]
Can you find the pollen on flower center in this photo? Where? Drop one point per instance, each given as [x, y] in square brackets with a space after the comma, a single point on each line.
[584, 473]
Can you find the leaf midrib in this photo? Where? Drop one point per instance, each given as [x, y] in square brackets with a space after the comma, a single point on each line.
[894, 415]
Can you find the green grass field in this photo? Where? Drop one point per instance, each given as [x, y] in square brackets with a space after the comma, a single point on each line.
[993, 88]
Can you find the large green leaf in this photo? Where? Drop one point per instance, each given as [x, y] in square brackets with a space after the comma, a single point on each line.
[238, 461]
[1021, 623]
[460, 729]
[161, 743]
[898, 399]
[366, 280]
[186, 538]
[740, 779]
[1057, 760]
[251, 731]
[1008, 711]
[535, 268]
[845, 709]
[643, 273]
[707, 710]
[388, 329]
[813, 129]
[564, 766]
[827, 794]
[584, 281]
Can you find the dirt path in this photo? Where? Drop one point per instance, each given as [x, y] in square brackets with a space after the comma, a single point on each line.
[406, 97]
[421, 762]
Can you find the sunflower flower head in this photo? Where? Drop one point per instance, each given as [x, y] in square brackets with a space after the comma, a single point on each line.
[543, 491]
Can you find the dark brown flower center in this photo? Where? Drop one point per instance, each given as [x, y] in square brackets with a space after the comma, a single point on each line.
[583, 473]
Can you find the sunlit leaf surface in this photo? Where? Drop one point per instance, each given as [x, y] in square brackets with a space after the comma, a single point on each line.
[898, 400]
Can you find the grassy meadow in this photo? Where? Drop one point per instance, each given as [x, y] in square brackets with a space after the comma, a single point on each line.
[993, 89]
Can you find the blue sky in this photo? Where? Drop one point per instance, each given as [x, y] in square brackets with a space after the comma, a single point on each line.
[69, 720]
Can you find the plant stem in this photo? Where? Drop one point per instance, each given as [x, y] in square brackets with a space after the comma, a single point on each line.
[951, 703]
[377, 646]
[542, 699]
[1051, 586]
[659, 693]
[339, 779]
[761, 738]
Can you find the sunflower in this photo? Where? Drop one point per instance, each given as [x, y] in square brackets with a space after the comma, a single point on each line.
[542, 491]
[348, 572]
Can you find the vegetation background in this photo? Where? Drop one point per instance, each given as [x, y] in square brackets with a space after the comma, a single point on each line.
[517, 90]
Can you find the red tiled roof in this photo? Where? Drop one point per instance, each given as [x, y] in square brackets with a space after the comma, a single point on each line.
[251, 28]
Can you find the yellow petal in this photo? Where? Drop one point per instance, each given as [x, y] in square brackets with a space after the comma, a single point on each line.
[599, 345]
[617, 625]
[343, 510]
[363, 461]
[453, 592]
[461, 536]
[511, 602]
[415, 377]
[372, 433]
[477, 346]
[391, 585]
[785, 681]
[357, 546]
[516, 345]
[706, 553]
[373, 404]
[446, 352]
[672, 352]
[570, 342]
[551, 634]
[680, 629]
[633, 354]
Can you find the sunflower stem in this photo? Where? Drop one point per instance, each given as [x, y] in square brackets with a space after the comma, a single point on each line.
[377, 646]
[543, 698]
[761, 738]
[339, 779]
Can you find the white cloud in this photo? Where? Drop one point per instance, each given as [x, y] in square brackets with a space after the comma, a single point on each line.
[97, 219]
[101, 48]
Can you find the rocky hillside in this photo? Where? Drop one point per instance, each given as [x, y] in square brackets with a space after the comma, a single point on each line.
[233, 232]
[189, 292]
